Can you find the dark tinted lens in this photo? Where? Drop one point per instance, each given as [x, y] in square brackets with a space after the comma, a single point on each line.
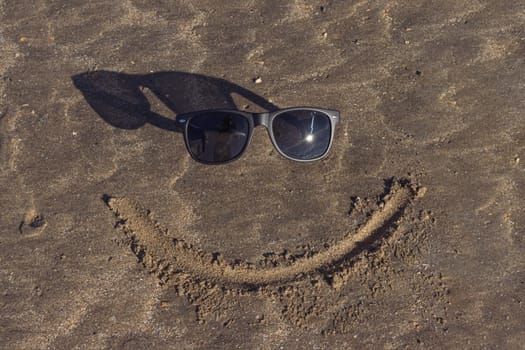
[302, 134]
[216, 137]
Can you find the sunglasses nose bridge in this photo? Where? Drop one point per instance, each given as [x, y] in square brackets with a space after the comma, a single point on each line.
[261, 119]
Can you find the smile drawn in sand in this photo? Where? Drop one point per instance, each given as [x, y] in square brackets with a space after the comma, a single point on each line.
[151, 243]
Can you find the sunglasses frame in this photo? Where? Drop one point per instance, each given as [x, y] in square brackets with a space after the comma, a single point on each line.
[264, 119]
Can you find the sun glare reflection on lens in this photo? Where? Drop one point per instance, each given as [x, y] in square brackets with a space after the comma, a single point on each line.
[309, 137]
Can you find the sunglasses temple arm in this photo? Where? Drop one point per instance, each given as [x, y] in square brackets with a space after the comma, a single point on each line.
[258, 100]
[163, 122]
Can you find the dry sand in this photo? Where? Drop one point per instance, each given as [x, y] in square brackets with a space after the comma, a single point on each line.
[410, 234]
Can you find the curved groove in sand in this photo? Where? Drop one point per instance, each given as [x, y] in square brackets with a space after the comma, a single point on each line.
[167, 254]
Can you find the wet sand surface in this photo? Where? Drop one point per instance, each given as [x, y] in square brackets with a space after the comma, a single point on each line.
[410, 234]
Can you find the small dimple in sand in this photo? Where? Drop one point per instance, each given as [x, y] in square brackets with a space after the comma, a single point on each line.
[33, 224]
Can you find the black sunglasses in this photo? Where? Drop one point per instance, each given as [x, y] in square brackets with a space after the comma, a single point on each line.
[303, 134]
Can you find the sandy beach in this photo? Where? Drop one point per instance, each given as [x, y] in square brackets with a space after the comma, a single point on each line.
[409, 234]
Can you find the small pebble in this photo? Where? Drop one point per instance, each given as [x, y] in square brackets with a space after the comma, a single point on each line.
[257, 80]
[421, 191]
[37, 291]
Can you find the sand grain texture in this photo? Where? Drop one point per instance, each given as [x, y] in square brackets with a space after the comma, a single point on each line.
[262, 252]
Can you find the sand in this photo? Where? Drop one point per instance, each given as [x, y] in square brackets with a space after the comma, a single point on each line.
[408, 235]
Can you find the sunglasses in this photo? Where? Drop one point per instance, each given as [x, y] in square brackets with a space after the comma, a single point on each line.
[217, 136]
